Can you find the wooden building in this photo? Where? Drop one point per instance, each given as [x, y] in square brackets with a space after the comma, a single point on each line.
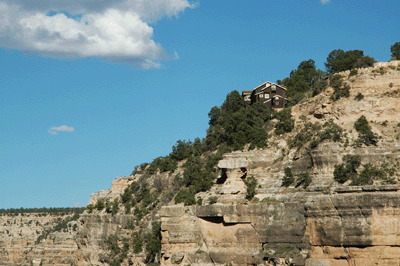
[271, 94]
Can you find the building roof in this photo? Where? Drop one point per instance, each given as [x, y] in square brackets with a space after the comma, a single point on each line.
[269, 83]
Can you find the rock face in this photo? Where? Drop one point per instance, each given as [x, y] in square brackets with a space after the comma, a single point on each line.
[95, 230]
[340, 229]
[19, 243]
[117, 188]
[354, 229]
[322, 224]
[238, 234]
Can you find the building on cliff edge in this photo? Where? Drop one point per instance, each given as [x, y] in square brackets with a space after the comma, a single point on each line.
[271, 94]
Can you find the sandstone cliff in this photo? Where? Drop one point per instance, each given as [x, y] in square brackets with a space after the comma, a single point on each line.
[320, 223]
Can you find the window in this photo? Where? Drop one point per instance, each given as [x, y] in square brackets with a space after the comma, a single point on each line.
[267, 96]
[276, 102]
[247, 98]
[261, 95]
[273, 87]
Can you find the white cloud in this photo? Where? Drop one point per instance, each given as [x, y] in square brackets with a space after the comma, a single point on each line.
[116, 30]
[64, 128]
[324, 2]
[76, 205]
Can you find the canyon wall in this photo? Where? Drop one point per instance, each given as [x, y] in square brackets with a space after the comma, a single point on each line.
[346, 229]
[322, 224]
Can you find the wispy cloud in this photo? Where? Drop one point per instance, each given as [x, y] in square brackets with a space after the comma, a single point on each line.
[64, 128]
[324, 2]
[116, 30]
[76, 205]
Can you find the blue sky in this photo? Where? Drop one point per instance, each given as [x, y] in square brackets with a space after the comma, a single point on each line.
[88, 91]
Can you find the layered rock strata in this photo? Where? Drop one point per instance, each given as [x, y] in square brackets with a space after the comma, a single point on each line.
[346, 229]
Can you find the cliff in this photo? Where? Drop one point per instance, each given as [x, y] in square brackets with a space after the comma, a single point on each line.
[312, 220]
[30, 239]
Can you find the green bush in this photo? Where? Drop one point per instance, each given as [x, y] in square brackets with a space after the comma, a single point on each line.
[115, 207]
[285, 123]
[339, 60]
[303, 79]
[139, 168]
[186, 196]
[235, 125]
[139, 213]
[353, 72]
[128, 208]
[319, 87]
[288, 179]
[163, 164]
[366, 136]
[251, 184]
[395, 49]
[304, 179]
[137, 243]
[331, 131]
[304, 135]
[372, 172]
[359, 97]
[90, 208]
[100, 204]
[213, 200]
[153, 245]
[341, 89]
[348, 169]
[112, 245]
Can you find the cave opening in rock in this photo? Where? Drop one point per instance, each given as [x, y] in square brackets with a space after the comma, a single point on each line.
[217, 220]
[223, 177]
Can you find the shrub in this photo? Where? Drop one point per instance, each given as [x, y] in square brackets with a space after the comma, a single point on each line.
[341, 89]
[115, 207]
[359, 97]
[304, 179]
[288, 179]
[186, 196]
[99, 204]
[304, 135]
[319, 87]
[112, 245]
[90, 208]
[251, 184]
[199, 201]
[213, 199]
[197, 175]
[395, 49]
[339, 60]
[348, 169]
[139, 168]
[286, 123]
[234, 125]
[128, 208]
[139, 213]
[353, 72]
[366, 136]
[137, 243]
[153, 246]
[163, 164]
[331, 132]
[108, 207]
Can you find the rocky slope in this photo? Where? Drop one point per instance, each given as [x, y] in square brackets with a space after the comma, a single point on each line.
[324, 223]
[30, 239]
